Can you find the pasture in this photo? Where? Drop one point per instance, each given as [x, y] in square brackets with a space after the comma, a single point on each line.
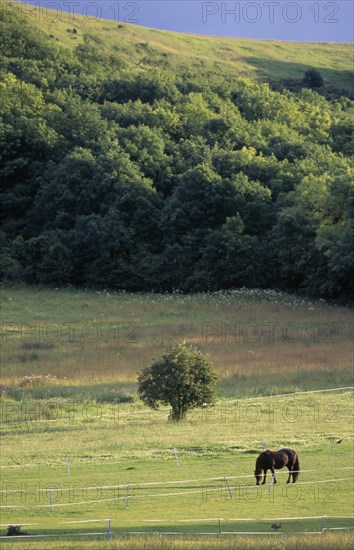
[69, 406]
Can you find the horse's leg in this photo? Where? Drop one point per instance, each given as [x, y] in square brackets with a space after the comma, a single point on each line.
[290, 472]
[264, 477]
[273, 474]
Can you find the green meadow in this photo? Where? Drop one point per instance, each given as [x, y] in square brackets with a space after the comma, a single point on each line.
[69, 405]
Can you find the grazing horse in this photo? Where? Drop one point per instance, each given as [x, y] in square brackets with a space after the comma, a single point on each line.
[275, 460]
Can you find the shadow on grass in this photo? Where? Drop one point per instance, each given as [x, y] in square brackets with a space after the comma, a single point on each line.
[188, 527]
[341, 79]
[101, 393]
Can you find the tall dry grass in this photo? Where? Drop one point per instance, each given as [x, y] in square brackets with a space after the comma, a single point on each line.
[256, 339]
[332, 541]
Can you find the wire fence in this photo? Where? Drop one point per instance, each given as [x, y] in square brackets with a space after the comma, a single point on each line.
[219, 528]
[197, 480]
[127, 496]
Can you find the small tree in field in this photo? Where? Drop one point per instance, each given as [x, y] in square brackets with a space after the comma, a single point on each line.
[183, 378]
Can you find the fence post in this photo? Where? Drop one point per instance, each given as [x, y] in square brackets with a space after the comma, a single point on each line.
[322, 523]
[50, 501]
[219, 527]
[176, 457]
[67, 464]
[109, 534]
[127, 496]
[228, 486]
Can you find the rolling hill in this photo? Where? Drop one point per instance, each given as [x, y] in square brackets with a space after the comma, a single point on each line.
[136, 45]
[147, 160]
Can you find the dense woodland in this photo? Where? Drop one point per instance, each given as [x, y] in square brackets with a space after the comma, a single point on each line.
[152, 179]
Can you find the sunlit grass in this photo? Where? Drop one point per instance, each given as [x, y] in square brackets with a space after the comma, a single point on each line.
[259, 341]
[217, 55]
[116, 446]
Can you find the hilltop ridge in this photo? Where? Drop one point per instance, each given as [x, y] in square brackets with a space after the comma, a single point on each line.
[136, 45]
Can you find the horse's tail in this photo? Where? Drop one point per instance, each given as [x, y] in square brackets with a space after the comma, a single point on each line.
[296, 468]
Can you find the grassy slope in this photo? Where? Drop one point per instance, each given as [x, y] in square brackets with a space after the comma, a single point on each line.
[272, 60]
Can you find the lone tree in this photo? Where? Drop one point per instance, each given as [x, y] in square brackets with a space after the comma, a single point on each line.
[313, 79]
[183, 378]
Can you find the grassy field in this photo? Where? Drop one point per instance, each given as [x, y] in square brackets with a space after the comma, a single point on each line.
[135, 45]
[123, 467]
[69, 363]
[92, 344]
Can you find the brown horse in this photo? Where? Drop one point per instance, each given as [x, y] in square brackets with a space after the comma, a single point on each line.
[275, 460]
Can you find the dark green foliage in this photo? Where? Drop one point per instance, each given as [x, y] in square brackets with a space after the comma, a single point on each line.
[232, 259]
[14, 531]
[313, 79]
[153, 179]
[183, 379]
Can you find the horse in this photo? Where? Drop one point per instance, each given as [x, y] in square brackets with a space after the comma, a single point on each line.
[275, 460]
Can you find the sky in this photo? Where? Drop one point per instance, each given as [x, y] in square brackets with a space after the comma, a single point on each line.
[298, 20]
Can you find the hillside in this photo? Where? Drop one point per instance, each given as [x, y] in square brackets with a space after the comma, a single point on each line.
[145, 160]
[268, 60]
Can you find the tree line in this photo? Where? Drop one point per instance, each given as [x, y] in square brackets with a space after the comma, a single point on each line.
[147, 178]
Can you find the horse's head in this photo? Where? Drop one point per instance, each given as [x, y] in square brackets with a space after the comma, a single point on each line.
[258, 474]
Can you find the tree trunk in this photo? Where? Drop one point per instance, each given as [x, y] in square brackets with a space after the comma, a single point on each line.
[177, 414]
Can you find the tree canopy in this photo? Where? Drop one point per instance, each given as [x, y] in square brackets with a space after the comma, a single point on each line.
[183, 379]
[154, 178]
